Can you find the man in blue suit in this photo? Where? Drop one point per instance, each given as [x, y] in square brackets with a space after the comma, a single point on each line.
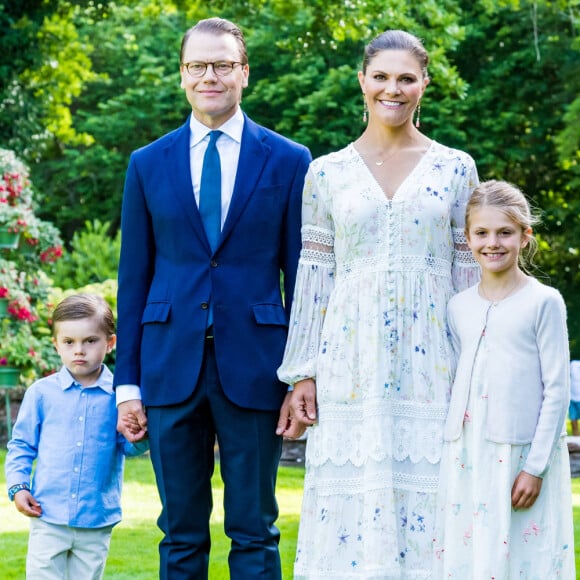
[201, 322]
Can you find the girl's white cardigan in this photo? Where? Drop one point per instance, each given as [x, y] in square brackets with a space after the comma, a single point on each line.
[527, 366]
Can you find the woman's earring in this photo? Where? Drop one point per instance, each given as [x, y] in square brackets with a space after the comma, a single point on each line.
[365, 110]
[418, 120]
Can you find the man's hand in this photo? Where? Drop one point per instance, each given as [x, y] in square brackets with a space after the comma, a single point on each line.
[26, 504]
[525, 490]
[298, 410]
[132, 421]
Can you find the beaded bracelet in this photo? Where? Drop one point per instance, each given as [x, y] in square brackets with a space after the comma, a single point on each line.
[16, 488]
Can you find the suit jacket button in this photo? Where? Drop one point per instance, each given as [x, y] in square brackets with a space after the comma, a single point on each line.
[204, 305]
[213, 264]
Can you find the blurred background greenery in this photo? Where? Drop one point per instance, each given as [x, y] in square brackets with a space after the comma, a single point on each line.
[83, 83]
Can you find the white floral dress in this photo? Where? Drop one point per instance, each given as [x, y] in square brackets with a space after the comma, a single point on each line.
[369, 324]
[478, 534]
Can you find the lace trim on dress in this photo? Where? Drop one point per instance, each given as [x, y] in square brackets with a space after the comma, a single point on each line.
[379, 407]
[464, 258]
[317, 247]
[459, 238]
[403, 431]
[364, 484]
[318, 236]
[463, 255]
[316, 257]
[384, 262]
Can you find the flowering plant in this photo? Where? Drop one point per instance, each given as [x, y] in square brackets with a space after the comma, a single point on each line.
[11, 280]
[15, 191]
[18, 346]
[11, 217]
[42, 238]
[13, 285]
[25, 339]
[15, 186]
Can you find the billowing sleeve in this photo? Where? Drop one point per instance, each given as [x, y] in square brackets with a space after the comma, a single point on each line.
[314, 282]
[465, 270]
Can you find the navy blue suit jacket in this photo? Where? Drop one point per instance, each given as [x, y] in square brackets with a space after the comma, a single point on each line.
[168, 273]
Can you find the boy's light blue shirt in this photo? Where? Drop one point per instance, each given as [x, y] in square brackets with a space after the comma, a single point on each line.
[71, 432]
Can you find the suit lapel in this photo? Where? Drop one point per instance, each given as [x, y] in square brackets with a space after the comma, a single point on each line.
[177, 163]
[254, 154]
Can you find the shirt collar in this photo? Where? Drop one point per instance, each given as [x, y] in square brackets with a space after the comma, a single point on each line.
[233, 128]
[104, 382]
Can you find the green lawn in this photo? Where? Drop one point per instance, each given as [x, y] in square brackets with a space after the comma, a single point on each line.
[133, 554]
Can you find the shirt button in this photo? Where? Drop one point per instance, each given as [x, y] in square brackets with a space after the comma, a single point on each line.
[79, 443]
[213, 264]
[73, 495]
[204, 305]
[80, 418]
[76, 469]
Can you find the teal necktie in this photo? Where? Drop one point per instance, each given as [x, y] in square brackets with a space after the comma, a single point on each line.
[210, 191]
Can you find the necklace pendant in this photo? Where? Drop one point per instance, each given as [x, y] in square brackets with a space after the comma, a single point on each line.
[379, 163]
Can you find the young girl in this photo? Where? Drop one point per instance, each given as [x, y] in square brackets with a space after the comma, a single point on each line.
[504, 505]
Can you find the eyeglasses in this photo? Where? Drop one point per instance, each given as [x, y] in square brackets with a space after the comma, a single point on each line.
[221, 68]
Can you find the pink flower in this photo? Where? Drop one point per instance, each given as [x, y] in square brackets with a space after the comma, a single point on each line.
[21, 312]
[51, 255]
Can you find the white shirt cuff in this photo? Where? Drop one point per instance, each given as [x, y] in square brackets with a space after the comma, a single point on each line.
[127, 393]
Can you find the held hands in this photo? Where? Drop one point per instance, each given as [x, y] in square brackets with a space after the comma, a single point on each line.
[132, 421]
[525, 490]
[298, 410]
[26, 504]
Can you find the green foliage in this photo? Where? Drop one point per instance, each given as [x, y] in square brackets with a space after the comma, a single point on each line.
[93, 257]
[521, 61]
[111, 72]
[314, 52]
[568, 144]
[19, 347]
[82, 84]
[131, 98]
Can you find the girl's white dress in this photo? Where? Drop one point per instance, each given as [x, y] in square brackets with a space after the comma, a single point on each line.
[369, 324]
[478, 535]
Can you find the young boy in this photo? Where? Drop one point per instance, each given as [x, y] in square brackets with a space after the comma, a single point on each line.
[67, 425]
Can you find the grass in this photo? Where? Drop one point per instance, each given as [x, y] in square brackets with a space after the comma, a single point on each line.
[133, 554]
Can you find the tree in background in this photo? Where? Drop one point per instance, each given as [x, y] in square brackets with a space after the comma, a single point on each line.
[522, 63]
[84, 83]
[106, 80]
